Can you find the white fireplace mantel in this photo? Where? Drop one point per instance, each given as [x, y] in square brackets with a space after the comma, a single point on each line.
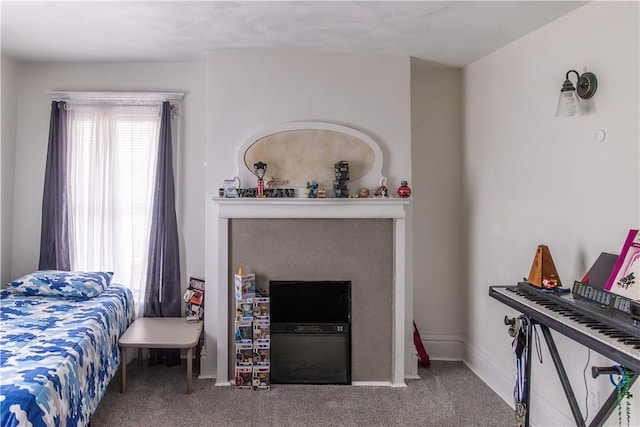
[216, 326]
[311, 208]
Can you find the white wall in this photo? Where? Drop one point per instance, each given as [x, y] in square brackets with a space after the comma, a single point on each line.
[253, 90]
[439, 268]
[33, 129]
[532, 178]
[10, 75]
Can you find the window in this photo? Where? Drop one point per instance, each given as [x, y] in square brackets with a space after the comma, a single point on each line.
[112, 163]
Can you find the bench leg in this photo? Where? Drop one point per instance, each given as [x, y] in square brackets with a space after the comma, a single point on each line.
[123, 368]
[189, 371]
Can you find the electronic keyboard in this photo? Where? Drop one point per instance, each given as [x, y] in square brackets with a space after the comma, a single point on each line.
[597, 319]
[603, 321]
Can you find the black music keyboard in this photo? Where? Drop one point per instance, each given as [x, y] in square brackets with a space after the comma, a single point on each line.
[600, 326]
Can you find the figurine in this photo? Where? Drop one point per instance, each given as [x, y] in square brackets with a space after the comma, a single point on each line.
[230, 187]
[312, 189]
[404, 190]
[364, 192]
[382, 190]
[322, 193]
[259, 170]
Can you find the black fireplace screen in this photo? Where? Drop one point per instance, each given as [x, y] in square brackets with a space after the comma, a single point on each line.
[310, 332]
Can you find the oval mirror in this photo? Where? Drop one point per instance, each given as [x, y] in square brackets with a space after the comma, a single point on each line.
[296, 156]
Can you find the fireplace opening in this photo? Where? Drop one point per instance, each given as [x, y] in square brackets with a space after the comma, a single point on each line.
[310, 332]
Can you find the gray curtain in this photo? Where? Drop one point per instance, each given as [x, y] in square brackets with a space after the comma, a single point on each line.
[163, 297]
[54, 233]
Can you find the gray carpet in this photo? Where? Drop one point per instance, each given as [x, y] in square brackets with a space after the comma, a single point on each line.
[447, 395]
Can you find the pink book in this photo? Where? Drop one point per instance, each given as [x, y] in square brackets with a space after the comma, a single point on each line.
[625, 277]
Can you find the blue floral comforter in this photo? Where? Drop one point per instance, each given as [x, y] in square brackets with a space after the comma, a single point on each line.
[57, 355]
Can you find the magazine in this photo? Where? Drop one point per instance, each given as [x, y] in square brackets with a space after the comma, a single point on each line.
[194, 298]
[626, 271]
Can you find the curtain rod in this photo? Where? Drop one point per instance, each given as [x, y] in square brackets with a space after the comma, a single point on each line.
[105, 96]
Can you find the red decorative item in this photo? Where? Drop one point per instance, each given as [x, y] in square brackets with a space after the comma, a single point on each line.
[259, 170]
[382, 190]
[417, 341]
[404, 190]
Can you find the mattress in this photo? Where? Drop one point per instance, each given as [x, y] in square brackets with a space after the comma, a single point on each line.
[58, 355]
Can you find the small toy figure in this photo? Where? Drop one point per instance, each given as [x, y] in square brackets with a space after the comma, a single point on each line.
[230, 187]
[382, 190]
[312, 189]
[259, 169]
[340, 187]
[549, 282]
[322, 193]
[364, 192]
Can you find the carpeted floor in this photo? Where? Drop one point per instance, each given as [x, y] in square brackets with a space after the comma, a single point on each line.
[447, 395]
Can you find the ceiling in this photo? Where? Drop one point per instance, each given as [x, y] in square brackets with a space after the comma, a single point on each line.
[450, 32]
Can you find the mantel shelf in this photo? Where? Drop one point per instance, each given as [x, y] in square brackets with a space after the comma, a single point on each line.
[298, 207]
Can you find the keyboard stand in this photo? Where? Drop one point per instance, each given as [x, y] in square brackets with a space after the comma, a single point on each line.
[605, 410]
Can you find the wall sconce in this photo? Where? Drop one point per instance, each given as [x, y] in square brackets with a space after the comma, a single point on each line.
[569, 102]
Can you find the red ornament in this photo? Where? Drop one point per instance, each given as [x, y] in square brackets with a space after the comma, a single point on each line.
[404, 190]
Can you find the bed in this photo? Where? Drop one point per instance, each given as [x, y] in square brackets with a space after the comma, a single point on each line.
[58, 352]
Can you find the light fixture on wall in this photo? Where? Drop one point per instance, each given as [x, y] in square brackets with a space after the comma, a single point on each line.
[569, 103]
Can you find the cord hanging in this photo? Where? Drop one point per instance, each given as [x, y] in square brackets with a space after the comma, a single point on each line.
[624, 392]
[519, 330]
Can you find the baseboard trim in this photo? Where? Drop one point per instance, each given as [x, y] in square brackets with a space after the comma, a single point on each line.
[411, 370]
[543, 412]
[443, 347]
[371, 383]
[353, 383]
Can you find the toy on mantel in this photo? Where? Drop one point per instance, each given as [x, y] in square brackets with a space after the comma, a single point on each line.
[312, 189]
[404, 190]
[274, 182]
[382, 190]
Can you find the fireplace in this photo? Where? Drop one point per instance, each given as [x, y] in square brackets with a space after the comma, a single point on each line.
[358, 240]
[310, 332]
